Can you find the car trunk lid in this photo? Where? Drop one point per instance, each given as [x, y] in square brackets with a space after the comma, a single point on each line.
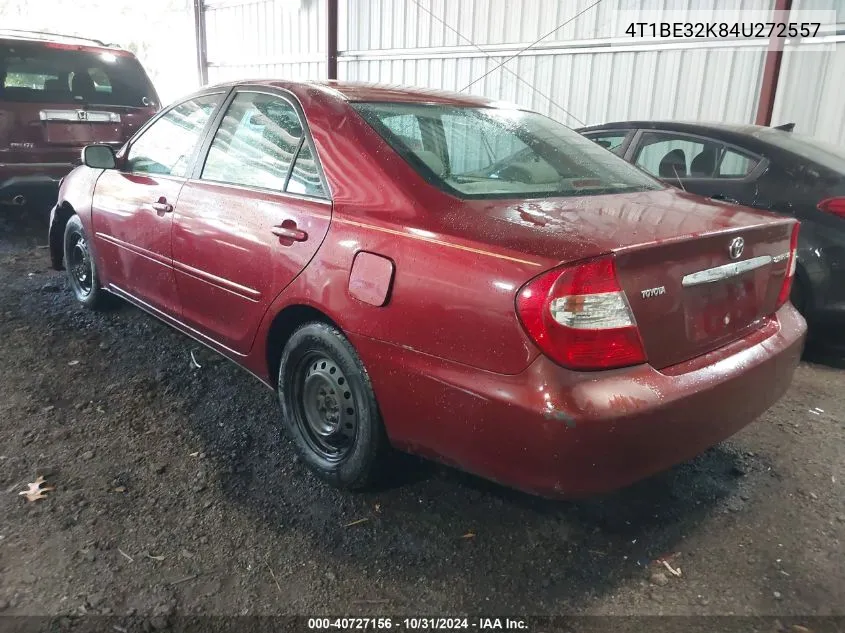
[55, 132]
[79, 127]
[62, 126]
[688, 291]
[696, 293]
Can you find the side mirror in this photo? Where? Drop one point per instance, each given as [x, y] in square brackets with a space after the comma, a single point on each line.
[98, 157]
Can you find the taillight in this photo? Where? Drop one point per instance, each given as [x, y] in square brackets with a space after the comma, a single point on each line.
[580, 318]
[786, 288]
[836, 206]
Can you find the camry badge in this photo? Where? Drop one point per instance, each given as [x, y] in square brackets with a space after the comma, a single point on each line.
[736, 247]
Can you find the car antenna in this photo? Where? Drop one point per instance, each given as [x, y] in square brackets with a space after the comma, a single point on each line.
[678, 178]
[786, 127]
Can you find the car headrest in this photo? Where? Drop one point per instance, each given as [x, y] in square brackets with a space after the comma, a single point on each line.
[82, 84]
[704, 164]
[673, 165]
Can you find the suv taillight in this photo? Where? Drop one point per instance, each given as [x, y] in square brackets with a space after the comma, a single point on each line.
[786, 288]
[580, 318]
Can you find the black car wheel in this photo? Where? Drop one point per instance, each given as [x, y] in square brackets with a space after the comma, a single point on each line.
[329, 407]
[81, 268]
[798, 296]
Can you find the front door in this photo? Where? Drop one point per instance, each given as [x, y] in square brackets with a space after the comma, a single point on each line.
[133, 206]
[250, 222]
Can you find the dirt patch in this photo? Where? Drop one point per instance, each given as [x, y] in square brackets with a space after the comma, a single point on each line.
[177, 493]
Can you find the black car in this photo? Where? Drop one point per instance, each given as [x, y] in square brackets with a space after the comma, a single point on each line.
[769, 168]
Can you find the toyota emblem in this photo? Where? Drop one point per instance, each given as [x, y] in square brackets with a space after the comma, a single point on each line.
[736, 248]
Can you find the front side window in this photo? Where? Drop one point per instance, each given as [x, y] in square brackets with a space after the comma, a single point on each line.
[167, 146]
[478, 152]
[256, 142]
[677, 156]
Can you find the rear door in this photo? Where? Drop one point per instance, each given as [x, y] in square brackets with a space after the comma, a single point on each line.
[56, 98]
[133, 205]
[251, 219]
[698, 164]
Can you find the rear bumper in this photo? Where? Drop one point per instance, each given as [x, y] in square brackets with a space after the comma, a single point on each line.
[557, 433]
[36, 182]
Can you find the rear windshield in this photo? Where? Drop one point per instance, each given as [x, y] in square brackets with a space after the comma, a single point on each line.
[477, 152]
[824, 154]
[40, 74]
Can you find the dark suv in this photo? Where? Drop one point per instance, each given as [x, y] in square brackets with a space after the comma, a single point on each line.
[58, 94]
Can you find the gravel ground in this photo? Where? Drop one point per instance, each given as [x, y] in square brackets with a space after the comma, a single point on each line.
[176, 493]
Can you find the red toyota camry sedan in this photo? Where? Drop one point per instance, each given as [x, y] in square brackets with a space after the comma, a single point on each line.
[443, 275]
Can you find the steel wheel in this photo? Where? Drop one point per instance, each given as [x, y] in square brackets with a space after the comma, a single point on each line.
[324, 407]
[329, 407]
[79, 265]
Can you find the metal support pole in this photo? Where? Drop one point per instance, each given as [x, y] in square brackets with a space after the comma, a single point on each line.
[202, 44]
[331, 60]
[771, 70]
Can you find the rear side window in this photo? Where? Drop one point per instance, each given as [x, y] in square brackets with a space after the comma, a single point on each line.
[735, 165]
[677, 156]
[255, 145]
[167, 146]
[43, 74]
[305, 176]
[406, 128]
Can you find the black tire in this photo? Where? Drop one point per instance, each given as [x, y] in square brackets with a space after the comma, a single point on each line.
[81, 268]
[330, 409]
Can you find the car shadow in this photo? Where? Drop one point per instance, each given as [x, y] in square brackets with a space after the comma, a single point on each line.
[826, 347]
[23, 226]
[430, 535]
[495, 548]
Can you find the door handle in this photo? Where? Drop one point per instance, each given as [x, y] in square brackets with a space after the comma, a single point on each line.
[723, 198]
[290, 232]
[162, 206]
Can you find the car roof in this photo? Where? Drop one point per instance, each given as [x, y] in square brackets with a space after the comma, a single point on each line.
[685, 126]
[751, 137]
[355, 91]
[43, 37]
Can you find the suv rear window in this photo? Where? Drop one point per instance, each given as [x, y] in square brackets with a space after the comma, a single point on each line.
[477, 152]
[42, 74]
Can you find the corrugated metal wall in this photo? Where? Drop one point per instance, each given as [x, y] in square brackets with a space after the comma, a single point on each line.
[812, 83]
[265, 38]
[585, 72]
